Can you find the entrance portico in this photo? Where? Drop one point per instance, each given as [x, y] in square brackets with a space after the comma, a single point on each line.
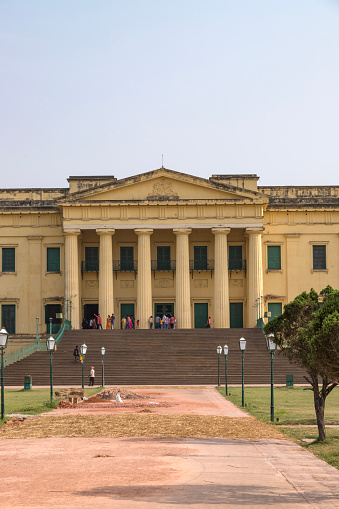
[131, 223]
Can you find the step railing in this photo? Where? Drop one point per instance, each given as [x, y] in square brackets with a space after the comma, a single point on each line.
[25, 351]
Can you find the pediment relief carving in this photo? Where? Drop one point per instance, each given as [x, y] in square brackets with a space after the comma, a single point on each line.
[163, 190]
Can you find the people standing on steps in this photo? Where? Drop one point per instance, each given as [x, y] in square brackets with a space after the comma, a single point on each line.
[157, 322]
[91, 376]
[99, 321]
[123, 322]
[76, 353]
[172, 320]
[151, 322]
[108, 322]
[208, 325]
[113, 321]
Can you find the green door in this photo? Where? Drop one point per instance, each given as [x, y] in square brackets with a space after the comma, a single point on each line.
[126, 310]
[161, 309]
[200, 315]
[275, 308]
[236, 315]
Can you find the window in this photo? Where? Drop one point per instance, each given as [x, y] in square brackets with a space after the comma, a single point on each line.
[163, 258]
[275, 308]
[127, 258]
[273, 258]
[8, 259]
[8, 317]
[53, 259]
[92, 259]
[235, 257]
[200, 257]
[319, 257]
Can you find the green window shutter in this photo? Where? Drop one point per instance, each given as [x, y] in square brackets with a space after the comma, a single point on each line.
[274, 257]
[127, 258]
[53, 259]
[8, 259]
[319, 257]
[163, 257]
[92, 259]
[235, 257]
[8, 317]
[200, 257]
[275, 308]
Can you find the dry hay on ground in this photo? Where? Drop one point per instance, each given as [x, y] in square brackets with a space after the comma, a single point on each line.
[140, 425]
[111, 394]
[67, 393]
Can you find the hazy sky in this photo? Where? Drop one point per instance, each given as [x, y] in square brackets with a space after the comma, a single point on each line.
[105, 87]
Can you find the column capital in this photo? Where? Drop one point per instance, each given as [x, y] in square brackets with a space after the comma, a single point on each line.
[182, 231]
[219, 231]
[252, 231]
[143, 231]
[71, 233]
[105, 231]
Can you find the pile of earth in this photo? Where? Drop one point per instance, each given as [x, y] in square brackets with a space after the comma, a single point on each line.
[110, 394]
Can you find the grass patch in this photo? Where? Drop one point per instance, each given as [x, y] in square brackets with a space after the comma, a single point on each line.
[33, 401]
[294, 408]
[292, 405]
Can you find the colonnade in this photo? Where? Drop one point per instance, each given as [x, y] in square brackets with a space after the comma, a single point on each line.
[144, 284]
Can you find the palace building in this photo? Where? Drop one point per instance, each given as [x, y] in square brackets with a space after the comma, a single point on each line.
[164, 242]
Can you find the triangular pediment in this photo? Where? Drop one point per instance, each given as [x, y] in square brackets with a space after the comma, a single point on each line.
[164, 185]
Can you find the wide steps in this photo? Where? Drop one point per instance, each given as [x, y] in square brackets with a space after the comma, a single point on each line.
[161, 357]
[156, 357]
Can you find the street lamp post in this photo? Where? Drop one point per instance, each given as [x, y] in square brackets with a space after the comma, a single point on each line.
[50, 344]
[83, 350]
[3, 343]
[226, 354]
[219, 350]
[242, 346]
[50, 326]
[103, 351]
[271, 347]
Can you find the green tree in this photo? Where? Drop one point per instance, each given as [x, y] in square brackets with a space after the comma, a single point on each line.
[308, 334]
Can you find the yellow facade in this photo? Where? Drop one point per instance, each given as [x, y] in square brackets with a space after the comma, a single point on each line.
[221, 247]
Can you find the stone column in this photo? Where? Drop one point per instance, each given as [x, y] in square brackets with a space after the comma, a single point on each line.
[34, 288]
[254, 276]
[72, 274]
[106, 301]
[183, 294]
[221, 293]
[144, 293]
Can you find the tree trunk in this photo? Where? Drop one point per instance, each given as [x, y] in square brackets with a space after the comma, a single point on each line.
[319, 405]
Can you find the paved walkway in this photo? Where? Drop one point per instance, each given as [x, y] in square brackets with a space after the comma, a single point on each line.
[142, 473]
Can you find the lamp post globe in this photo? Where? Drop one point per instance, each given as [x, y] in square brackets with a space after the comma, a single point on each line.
[103, 351]
[242, 346]
[226, 354]
[83, 350]
[3, 343]
[219, 350]
[271, 347]
[50, 344]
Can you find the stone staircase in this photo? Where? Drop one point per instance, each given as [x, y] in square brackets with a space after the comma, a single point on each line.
[156, 357]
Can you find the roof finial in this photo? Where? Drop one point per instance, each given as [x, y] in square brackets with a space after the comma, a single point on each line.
[162, 160]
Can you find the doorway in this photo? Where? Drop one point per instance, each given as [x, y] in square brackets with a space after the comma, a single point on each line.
[236, 315]
[90, 310]
[200, 315]
[161, 309]
[126, 310]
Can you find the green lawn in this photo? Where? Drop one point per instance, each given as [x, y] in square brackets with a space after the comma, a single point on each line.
[293, 407]
[34, 401]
